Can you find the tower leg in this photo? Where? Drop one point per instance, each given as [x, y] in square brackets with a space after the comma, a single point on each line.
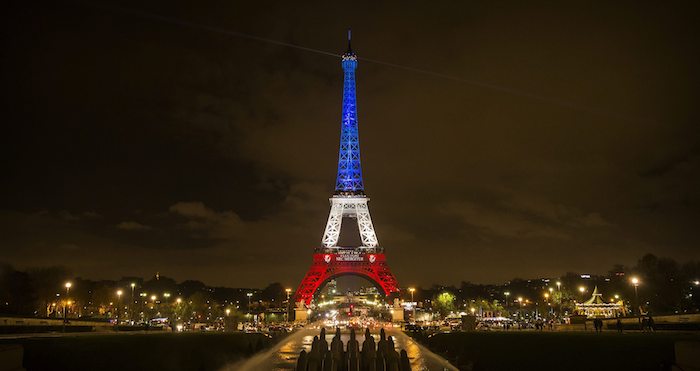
[335, 220]
[364, 222]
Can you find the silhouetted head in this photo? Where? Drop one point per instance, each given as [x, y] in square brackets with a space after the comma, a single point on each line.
[367, 332]
[352, 334]
[337, 332]
[382, 334]
[323, 332]
[391, 343]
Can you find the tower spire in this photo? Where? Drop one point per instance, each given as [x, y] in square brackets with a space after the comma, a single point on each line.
[349, 180]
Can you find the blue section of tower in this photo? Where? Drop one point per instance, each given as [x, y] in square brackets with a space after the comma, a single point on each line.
[349, 178]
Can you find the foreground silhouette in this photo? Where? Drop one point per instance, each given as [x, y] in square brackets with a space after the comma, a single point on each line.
[380, 356]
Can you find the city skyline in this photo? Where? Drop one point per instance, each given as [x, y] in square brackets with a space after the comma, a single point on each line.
[141, 145]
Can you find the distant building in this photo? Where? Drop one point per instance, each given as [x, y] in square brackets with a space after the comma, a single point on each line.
[596, 307]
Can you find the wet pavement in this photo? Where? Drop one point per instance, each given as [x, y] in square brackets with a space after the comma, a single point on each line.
[284, 355]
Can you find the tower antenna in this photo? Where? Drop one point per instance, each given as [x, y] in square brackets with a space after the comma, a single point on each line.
[349, 39]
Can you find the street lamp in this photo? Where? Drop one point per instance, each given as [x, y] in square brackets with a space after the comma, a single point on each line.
[635, 282]
[507, 294]
[67, 285]
[249, 295]
[413, 290]
[119, 305]
[286, 312]
[131, 309]
[559, 285]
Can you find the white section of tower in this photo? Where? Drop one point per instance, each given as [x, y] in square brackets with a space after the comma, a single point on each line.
[354, 207]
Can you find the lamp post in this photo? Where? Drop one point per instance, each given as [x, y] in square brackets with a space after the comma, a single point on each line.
[249, 295]
[67, 285]
[119, 305]
[286, 313]
[131, 309]
[520, 302]
[507, 294]
[635, 283]
[153, 299]
[412, 290]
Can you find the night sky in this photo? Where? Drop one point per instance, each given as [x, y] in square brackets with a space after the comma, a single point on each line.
[138, 137]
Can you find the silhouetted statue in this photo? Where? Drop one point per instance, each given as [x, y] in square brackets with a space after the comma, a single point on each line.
[353, 352]
[302, 362]
[405, 363]
[391, 356]
[369, 352]
[322, 343]
[337, 349]
[381, 351]
[328, 362]
[314, 358]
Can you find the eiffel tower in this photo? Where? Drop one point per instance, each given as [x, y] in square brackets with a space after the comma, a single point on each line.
[348, 204]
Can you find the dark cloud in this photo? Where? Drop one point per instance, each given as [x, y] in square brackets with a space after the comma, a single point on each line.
[567, 141]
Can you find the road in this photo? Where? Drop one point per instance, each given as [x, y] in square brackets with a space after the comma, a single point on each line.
[284, 355]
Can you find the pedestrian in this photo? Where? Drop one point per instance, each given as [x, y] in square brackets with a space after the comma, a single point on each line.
[650, 323]
[618, 325]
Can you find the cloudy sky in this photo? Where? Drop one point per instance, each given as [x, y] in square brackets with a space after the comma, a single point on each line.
[142, 137]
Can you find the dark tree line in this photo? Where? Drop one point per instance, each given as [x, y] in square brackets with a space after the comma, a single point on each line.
[32, 291]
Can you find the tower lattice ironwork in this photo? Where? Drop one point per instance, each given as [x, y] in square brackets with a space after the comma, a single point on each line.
[349, 202]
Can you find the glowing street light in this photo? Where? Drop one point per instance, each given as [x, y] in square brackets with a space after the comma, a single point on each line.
[131, 310]
[249, 295]
[286, 313]
[119, 305]
[559, 285]
[507, 294]
[635, 281]
[68, 285]
[413, 290]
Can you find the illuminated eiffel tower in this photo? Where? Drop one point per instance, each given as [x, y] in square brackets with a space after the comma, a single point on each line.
[349, 203]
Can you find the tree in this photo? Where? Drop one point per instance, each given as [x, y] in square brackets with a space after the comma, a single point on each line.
[444, 303]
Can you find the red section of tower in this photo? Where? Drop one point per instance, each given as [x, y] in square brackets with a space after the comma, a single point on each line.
[346, 262]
